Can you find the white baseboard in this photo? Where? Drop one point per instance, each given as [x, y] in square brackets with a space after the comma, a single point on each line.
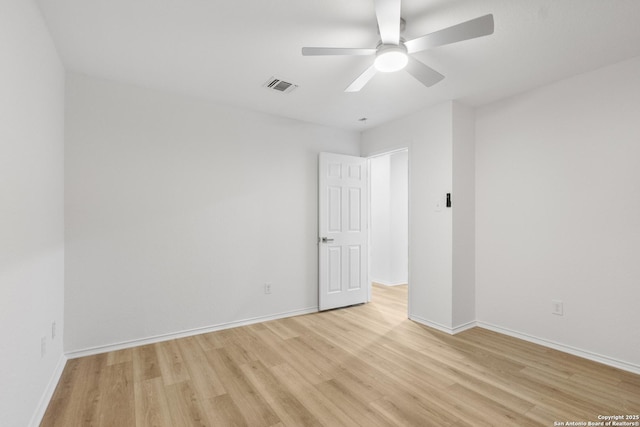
[464, 327]
[186, 333]
[449, 330]
[431, 324]
[36, 419]
[606, 360]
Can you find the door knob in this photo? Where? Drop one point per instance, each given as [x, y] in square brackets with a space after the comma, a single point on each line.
[326, 240]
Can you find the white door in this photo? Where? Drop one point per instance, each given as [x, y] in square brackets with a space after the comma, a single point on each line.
[343, 213]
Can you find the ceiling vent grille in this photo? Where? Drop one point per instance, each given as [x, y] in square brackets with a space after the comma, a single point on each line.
[279, 85]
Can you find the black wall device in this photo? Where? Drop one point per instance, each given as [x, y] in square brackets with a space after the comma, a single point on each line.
[448, 200]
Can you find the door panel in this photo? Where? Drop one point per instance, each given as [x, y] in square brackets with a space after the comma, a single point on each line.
[355, 259]
[355, 205]
[334, 209]
[334, 269]
[343, 239]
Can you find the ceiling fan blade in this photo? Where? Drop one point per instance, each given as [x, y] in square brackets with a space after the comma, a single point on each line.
[319, 51]
[478, 27]
[423, 73]
[361, 80]
[388, 15]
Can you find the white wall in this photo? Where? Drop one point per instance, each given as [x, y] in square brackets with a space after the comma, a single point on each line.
[31, 213]
[558, 212]
[463, 210]
[389, 218]
[379, 234]
[179, 210]
[399, 216]
[428, 135]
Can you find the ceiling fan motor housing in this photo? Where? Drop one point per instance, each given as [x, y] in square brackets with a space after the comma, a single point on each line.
[390, 57]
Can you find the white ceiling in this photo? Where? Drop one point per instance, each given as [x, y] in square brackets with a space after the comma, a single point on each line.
[226, 50]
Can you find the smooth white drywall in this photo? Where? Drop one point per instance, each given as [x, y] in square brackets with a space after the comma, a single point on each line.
[380, 234]
[389, 216]
[178, 211]
[428, 136]
[558, 212]
[31, 213]
[399, 216]
[463, 210]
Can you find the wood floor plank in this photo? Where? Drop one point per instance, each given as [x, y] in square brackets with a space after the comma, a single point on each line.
[185, 406]
[301, 361]
[280, 327]
[365, 365]
[480, 408]
[402, 411]
[171, 363]
[91, 392]
[145, 363]
[117, 402]
[282, 400]
[152, 407]
[210, 340]
[120, 356]
[225, 412]
[204, 377]
[631, 391]
[237, 349]
[357, 408]
[250, 338]
[322, 408]
[255, 409]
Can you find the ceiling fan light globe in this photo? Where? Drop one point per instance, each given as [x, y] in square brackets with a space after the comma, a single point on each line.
[390, 59]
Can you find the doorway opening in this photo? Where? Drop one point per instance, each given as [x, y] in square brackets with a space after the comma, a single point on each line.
[389, 219]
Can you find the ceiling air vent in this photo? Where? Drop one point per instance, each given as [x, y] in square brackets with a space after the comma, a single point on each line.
[279, 85]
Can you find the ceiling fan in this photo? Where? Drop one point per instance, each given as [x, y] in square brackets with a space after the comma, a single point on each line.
[392, 52]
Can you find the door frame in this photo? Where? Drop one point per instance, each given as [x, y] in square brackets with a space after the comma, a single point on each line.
[369, 158]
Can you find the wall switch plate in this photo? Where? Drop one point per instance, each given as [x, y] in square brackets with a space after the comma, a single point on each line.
[557, 307]
[267, 288]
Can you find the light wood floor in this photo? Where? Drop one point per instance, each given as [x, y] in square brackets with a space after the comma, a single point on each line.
[365, 365]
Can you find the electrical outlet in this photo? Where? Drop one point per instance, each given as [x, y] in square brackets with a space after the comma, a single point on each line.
[43, 346]
[267, 288]
[53, 330]
[557, 307]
